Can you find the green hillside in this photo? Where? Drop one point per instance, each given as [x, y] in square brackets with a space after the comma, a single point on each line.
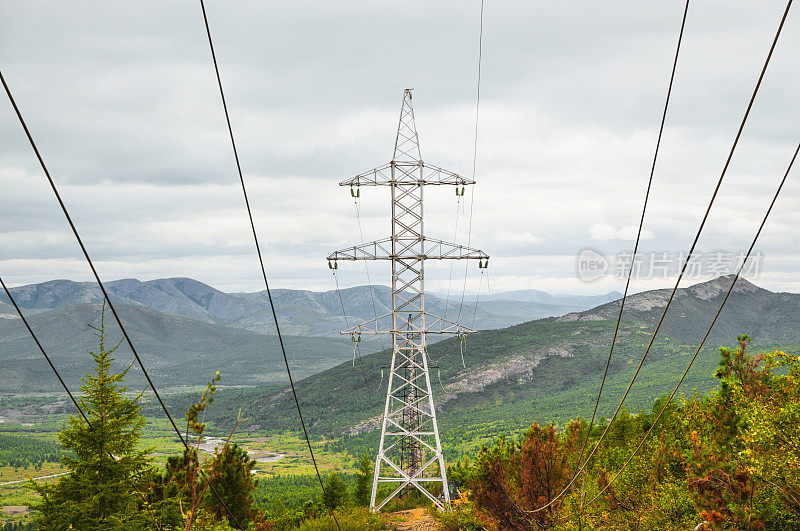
[545, 370]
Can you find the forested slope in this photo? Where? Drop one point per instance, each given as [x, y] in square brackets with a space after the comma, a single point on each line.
[544, 370]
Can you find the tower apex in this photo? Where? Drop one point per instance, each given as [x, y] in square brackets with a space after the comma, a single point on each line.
[406, 144]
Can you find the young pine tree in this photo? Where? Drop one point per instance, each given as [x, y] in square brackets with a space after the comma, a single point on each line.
[363, 489]
[335, 494]
[100, 492]
[231, 476]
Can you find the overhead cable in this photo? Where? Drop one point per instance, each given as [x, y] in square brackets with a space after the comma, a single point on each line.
[705, 337]
[260, 257]
[639, 231]
[97, 278]
[686, 261]
[474, 157]
[44, 353]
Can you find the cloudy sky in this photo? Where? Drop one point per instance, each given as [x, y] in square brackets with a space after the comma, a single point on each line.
[123, 102]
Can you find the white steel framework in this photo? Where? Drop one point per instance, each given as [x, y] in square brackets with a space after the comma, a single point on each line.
[410, 451]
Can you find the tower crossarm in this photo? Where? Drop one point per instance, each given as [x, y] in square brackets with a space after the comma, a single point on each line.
[408, 249]
[383, 325]
[406, 173]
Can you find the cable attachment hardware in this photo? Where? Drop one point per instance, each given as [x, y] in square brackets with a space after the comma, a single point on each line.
[356, 343]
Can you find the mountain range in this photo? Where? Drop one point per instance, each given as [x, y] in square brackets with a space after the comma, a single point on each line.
[547, 370]
[177, 351]
[770, 318]
[301, 312]
[544, 370]
[186, 330]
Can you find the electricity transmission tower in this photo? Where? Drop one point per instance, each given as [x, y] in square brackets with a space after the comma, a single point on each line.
[410, 451]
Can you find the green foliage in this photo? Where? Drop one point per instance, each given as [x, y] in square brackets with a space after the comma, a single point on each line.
[218, 495]
[101, 490]
[286, 496]
[111, 484]
[230, 476]
[351, 519]
[363, 490]
[19, 526]
[169, 491]
[771, 426]
[335, 494]
[461, 517]
[742, 463]
[18, 451]
[206, 398]
[515, 476]
[728, 458]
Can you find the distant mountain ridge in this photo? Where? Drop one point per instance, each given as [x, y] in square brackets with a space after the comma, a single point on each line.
[177, 351]
[543, 297]
[548, 369]
[186, 330]
[767, 316]
[301, 312]
[541, 370]
[182, 296]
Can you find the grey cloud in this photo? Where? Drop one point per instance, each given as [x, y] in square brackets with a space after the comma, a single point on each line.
[122, 99]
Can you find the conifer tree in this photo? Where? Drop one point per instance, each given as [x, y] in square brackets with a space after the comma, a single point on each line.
[231, 476]
[335, 494]
[107, 464]
[363, 489]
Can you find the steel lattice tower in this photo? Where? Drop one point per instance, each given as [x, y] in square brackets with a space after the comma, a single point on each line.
[410, 451]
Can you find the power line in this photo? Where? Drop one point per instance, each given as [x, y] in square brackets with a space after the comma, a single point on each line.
[638, 233]
[705, 337]
[85, 252]
[60, 379]
[455, 240]
[355, 343]
[258, 251]
[357, 203]
[341, 300]
[344, 314]
[366, 267]
[335, 277]
[44, 353]
[685, 263]
[97, 277]
[477, 299]
[474, 156]
[347, 324]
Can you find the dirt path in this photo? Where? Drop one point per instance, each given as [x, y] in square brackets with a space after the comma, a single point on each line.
[414, 520]
[28, 479]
